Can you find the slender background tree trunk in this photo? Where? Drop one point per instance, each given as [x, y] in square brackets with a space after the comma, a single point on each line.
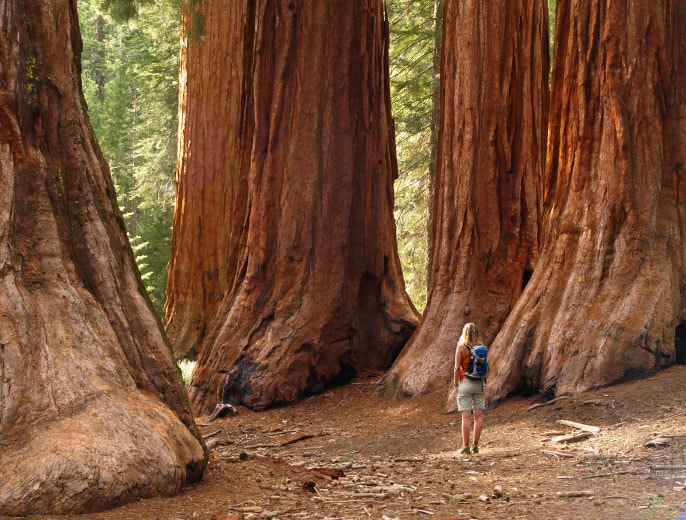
[211, 194]
[435, 125]
[607, 295]
[319, 294]
[93, 412]
[494, 98]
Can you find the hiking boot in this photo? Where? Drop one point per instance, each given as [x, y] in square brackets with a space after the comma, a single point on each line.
[465, 451]
[475, 449]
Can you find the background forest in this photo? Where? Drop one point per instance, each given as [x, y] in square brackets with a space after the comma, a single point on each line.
[130, 80]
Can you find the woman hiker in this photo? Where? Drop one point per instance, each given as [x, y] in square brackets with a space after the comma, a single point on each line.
[470, 392]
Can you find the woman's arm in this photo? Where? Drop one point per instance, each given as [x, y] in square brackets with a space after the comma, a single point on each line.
[458, 362]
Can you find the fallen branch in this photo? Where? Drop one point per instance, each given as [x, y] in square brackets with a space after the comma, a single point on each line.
[222, 410]
[575, 494]
[566, 439]
[613, 474]
[279, 431]
[256, 446]
[558, 454]
[393, 489]
[341, 502]
[552, 401]
[661, 441]
[579, 426]
[369, 495]
[598, 402]
[678, 414]
[246, 509]
[667, 467]
[302, 437]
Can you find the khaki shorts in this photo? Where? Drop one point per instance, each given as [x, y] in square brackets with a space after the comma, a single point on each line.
[471, 395]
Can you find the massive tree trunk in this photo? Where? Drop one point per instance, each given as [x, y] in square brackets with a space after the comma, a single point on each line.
[607, 295]
[93, 412]
[494, 97]
[211, 193]
[317, 293]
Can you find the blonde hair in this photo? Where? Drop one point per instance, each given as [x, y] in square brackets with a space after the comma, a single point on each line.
[471, 335]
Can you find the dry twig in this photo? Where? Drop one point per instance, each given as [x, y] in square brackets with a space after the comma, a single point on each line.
[558, 454]
[552, 401]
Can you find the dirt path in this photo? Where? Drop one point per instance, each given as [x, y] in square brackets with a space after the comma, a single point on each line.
[348, 454]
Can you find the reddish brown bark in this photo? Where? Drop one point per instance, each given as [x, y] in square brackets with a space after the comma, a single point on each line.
[93, 412]
[316, 292]
[488, 194]
[607, 294]
[211, 193]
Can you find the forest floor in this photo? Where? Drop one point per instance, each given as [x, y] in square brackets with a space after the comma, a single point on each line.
[347, 454]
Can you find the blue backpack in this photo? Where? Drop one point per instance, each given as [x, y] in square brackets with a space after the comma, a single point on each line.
[478, 363]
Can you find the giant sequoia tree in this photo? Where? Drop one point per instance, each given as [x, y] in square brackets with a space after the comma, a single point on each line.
[294, 222]
[211, 190]
[606, 298]
[92, 409]
[488, 192]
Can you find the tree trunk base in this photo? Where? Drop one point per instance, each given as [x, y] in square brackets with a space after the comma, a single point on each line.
[111, 452]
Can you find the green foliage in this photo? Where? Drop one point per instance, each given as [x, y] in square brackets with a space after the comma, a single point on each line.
[186, 367]
[130, 80]
[412, 26]
[122, 10]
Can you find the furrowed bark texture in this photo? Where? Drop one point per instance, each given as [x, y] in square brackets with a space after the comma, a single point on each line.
[93, 412]
[318, 293]
[488, 194]
[211, 194]
[607, 294]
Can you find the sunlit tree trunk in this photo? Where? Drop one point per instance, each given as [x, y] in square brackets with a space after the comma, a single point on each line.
[435, 124]
[211, 192]
[607, 298]
[488, 195]
[314, 292]
[93, 412]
